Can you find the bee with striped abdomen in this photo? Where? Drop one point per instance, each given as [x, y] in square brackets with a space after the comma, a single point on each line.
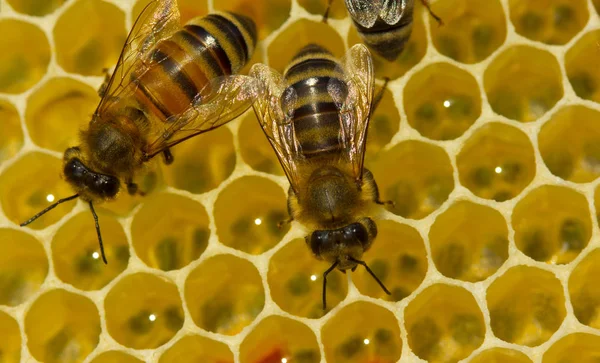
[316, 118]
[383, 25]
[170, 83]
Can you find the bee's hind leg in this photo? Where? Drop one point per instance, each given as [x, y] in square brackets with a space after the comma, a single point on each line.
[104, 86]
[133, 189]
[369, 182]
[168, 157]
[437, 18]
[379, 95]
[326, 15]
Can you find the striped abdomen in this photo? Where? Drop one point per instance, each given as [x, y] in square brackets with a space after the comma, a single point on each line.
[316, 117]
[181, 66]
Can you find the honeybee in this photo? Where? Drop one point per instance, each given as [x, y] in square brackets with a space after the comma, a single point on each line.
[316, 118]
[170, 83]
[383, 25]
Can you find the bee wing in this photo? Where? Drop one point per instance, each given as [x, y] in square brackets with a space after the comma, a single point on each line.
[274, 109]
[354, 104]
[392, 10]
[219, 102]
[158, 20]
[364, 12]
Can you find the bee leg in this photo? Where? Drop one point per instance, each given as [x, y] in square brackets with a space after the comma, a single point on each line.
[437, 18]
[168, 157]
[371, 185]
[133, 189]
[104, 86]
[379, 95]
[284, 222]
[326, 15]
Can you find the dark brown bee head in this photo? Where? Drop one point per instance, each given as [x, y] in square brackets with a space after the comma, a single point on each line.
[89, 185]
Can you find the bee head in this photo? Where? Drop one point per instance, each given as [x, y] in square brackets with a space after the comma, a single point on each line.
[89, 185]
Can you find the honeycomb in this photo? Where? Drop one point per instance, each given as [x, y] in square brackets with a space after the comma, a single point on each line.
[487, 139]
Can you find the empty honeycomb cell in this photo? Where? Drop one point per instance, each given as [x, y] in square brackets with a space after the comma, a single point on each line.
[442, 101]
[337, 9]
[251, 226]
[12, 135]
[415, 175]
[115, 356]
[549, 21]
[32, 184]
[26, 55]
[23, 266]
[89, 37]
[471, 30]
[583, 289]
[10, 345]
[444, 324]
[570, 144]
[255, 148]
[76, 253]
[224, 294]
[62, 326]
[497, 162]
[196, 348]
[523, 83]
[202, 163]
[572, 348]
[170, 231]
[384, 122]
[398, 258]
[143, 311]
[580, 62]
[500, 355]
[57, 112]
[362, 332]
[295, 279]
[297, 35]
[526, 305]
[278, 339]
[36, 7]
[268, 16]
[469, 241]
[552, 224]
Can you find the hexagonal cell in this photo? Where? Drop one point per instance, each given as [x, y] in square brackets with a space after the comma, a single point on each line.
[523, 83]
[496, 162]
[337, 9]
[570, 144]
[552, 224]
[469, 241]
[549, 21]
[12, 135]
[196, 348]
[384, 123]
[416, 176]
[31, 184]
[362, 332]
[279, 339]
[500, 355]
[202, 163]
[268, 16]
[35, 7]
[295, 280]
[115, 356]
[62, 327]
[57, 111]
[442, 101]
[251, 226]
[540, 309]
[143, 311]
[583, 290]
[471, 31]
[576, 347]
[224, 294]
[26, 55]
[297, 35]
[580, 62]
[255, 148]
[89, 37]
[10, 345]
[444, 323]
[76, 253]
[398, 258]
[23, 266]
[171, 240]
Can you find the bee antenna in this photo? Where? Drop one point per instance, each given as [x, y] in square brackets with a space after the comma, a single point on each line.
[325, 283]
[98, 232]
[364, 264]
[49, 208]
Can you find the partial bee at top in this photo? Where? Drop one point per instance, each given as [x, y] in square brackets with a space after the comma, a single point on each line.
[383, 25]
[171, 83]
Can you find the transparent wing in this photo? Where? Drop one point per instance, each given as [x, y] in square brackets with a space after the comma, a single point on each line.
[364, 12]
[219, 102]
[392, 10]
[158, 20]
[274, 109]
[354, 104]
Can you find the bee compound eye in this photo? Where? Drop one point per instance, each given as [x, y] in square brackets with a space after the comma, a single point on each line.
[358, 231]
